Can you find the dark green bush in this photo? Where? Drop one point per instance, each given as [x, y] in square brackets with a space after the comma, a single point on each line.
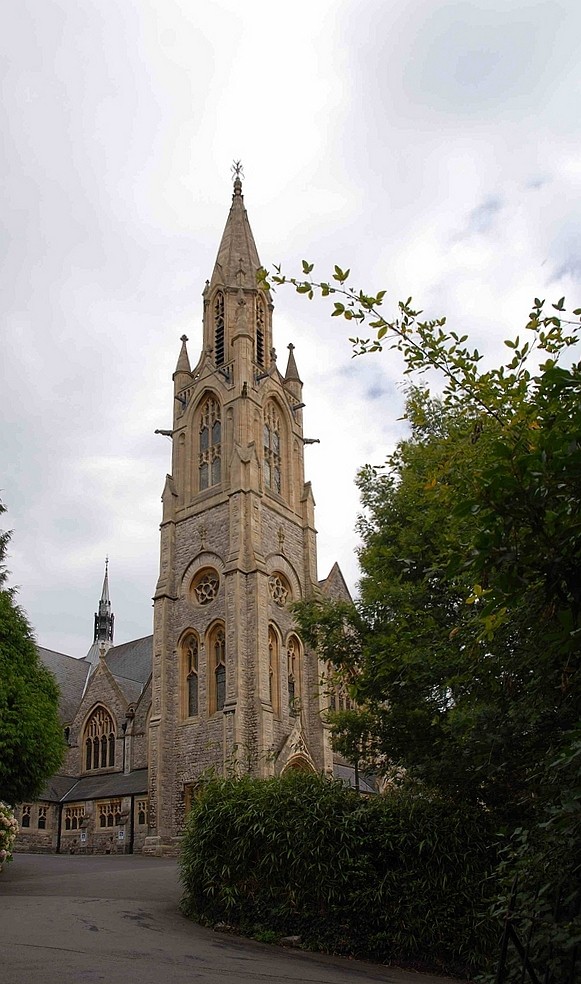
[397, 878]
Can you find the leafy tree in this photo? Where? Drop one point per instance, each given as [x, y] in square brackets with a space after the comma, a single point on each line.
[464, 648]
[31, 739]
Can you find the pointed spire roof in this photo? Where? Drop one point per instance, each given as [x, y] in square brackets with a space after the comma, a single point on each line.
[292, 373]
[105, 600]
[237, 260]
[183, 363]
[104, 622]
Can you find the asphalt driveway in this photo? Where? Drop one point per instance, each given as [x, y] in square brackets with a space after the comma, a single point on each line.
[72, 920]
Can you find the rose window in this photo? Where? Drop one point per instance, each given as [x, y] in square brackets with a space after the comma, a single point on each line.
[206, 588]
[278, 590]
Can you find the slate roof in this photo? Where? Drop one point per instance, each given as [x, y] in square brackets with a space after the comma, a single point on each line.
[57, 787]
[71, 676]
[346, 773]
[131, 661]
[334, 585]
[106, 786]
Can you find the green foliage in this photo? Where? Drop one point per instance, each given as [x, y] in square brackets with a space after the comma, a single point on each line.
[31, 739]
[394, 877]
[466, 642]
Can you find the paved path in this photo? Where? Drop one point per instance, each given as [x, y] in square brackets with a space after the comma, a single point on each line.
[79, 920]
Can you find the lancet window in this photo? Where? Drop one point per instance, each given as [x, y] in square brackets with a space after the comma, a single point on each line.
[293, 656]
[210, 437]
[218, 669]
[219, 328]
[272, 449]
[190, 658]
[99, 741]
[273, 669]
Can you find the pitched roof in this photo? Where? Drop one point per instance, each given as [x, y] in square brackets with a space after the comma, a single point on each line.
[71, 676]
[131, 661]
[346, 773]
[104, 786]
[334, 585]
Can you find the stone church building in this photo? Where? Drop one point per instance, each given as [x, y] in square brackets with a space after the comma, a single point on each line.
[225, 681]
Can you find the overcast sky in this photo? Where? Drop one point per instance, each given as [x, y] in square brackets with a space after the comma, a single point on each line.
[434, 147]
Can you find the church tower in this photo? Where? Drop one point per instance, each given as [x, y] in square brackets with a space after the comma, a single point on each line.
[233, 686]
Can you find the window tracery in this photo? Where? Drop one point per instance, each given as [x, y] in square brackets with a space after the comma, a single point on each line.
[99, 741]
[205, 586]
[210, 442]
[109, 813]
[74, 816]
[278, 589]
[25, 819]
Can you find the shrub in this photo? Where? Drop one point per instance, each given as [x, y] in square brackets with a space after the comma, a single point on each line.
[8, 831]
[399, 878]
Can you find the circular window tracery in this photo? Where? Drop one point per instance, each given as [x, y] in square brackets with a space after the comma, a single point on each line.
[205, 587]
[279, 589]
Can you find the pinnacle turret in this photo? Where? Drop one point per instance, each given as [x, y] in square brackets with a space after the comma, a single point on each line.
[292, 373]
[183, 363]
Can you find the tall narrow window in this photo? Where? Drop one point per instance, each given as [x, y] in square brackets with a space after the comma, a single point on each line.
[25, 821]
[99, 740]
[190, 656]
[272, 455]
[210, 456]
[260, 320]
[219, 328]
[218, 669]
[42, 818]
[293, 654]
[273, 664]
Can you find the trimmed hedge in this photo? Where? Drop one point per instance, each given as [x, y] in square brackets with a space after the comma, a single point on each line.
[400, 878]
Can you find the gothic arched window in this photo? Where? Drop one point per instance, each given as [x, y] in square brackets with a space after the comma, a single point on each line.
[219, 328]
[99, 740]
[190, 655]
[217, 653]
[272, 449]
[210, 454]
[293, 656]
[260, 323]
[273, 669]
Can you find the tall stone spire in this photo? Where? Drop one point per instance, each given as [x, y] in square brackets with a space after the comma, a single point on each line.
[104, 622]
[237, 260]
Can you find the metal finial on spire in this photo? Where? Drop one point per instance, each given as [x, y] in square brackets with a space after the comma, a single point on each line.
[237, 169]
[238, 173]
